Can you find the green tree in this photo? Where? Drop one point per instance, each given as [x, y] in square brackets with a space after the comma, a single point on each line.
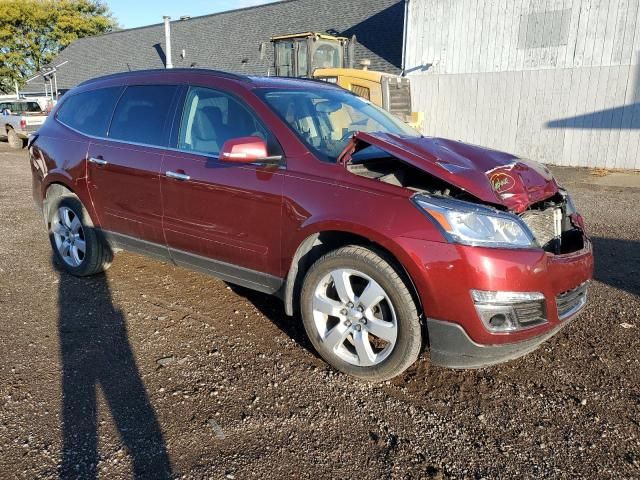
[33, 32]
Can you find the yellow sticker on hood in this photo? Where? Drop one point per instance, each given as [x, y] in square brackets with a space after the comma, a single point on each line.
[502, 182]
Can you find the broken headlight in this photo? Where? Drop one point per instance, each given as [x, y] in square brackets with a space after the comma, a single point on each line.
[475, 225]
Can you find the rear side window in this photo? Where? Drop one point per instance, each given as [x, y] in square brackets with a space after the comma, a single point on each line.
[141, 114]
[90, 112]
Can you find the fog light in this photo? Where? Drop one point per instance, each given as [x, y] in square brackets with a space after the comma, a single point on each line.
[498, 320]
[509, 311]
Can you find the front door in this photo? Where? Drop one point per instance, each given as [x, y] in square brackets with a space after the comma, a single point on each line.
[124, 169]
[223, 218]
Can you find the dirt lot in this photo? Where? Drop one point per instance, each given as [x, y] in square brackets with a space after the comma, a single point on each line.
[156, 370]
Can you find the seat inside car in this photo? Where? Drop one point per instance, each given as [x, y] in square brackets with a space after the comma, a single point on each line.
[208, 130]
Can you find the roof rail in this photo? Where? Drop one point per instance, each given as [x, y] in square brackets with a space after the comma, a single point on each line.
[304, 79]
[219, 73]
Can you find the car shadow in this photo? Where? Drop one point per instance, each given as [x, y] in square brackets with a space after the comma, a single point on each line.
[273, 309]
[96, 353]
[617, 263]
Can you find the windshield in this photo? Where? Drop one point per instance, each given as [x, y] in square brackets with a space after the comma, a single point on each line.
[325, 119]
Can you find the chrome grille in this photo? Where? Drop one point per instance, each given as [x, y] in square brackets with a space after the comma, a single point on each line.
[542, 224]
[572, 301]
[530, 313]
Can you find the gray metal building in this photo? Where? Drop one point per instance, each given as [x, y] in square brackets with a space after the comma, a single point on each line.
[557, 81]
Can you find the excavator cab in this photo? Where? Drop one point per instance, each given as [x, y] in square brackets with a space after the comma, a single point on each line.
[300, 54]
[326, 57]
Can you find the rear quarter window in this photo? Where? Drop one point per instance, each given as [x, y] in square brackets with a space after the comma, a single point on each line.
[89, 112]
[141, 114]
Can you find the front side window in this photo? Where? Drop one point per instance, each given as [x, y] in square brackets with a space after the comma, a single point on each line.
[210, 118]
[326, 118]
[142, 113]
[89, 112]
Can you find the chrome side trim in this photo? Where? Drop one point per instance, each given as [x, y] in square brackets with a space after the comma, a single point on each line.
[178, 176]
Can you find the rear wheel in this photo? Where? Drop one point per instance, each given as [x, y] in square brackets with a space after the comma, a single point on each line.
[77, 246]
[360, 315]
[14, 140]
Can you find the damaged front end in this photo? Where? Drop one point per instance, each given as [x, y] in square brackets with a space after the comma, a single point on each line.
[555, 224]
[475, 196]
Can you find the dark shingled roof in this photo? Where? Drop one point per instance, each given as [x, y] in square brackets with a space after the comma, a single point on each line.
[230, 40]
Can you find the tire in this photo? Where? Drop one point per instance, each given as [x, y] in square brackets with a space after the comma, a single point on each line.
[374, 340]
[70, 231]
[14, 140]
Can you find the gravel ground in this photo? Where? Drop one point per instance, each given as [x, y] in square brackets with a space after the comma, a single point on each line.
[161, 372]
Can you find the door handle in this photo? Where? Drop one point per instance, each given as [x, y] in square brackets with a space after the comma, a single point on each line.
[98, 161]
[178, 176]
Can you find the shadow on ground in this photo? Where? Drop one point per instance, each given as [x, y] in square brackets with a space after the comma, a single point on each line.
[96, 353]
[617, 263]
[273, 309]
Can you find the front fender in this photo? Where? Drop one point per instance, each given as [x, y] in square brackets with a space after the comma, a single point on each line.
[311, 237]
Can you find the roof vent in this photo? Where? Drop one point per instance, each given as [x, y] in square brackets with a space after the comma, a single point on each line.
[185, 17]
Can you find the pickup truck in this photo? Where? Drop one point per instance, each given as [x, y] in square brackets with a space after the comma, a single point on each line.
[19, 119]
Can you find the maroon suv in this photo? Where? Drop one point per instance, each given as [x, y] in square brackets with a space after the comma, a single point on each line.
[380, 238]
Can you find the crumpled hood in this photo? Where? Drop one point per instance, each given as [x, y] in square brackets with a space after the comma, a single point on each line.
[492, 176]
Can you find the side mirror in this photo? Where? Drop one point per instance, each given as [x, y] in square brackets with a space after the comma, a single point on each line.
[244, 150]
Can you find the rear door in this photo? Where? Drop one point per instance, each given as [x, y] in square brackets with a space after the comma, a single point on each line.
[222, 217]
[124, 168]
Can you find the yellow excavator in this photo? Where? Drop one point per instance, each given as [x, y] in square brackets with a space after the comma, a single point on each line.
[325, 57]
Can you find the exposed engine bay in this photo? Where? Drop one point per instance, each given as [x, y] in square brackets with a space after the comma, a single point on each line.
[552, 221]
[552, 225]
[394, 172]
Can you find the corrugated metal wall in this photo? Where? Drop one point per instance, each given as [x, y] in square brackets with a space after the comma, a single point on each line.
[557, 81]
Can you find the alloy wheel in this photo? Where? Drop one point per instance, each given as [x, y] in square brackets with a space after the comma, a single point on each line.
[354, 317]
[68, 235]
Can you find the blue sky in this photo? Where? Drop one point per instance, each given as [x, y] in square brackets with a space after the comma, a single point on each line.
[136, 13]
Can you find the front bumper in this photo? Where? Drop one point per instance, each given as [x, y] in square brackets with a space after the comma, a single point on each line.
[445, 273]
[451, 347]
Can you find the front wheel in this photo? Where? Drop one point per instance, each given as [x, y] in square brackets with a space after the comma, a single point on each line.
[360, 315]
